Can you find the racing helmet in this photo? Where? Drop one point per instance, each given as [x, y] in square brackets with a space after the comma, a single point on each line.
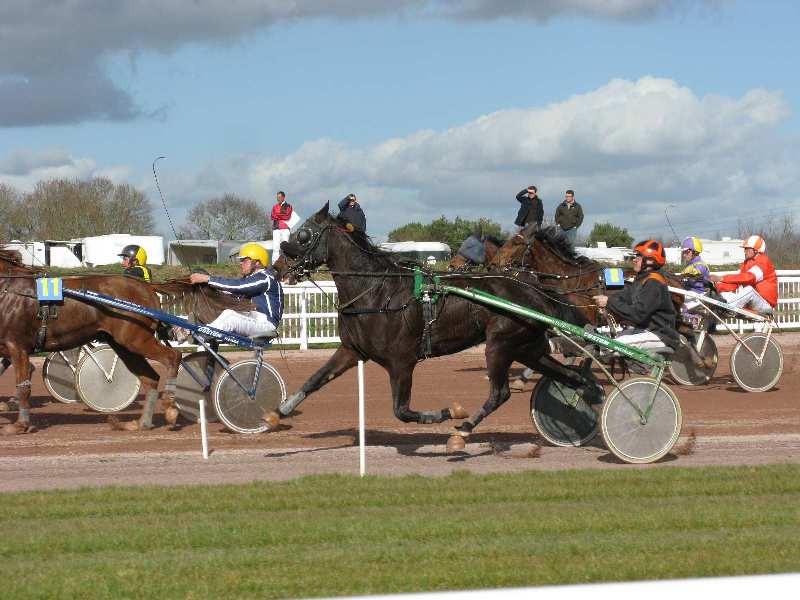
[136, 252]
[756, 242]
[254, 251]
[652, 251]
[692, 243]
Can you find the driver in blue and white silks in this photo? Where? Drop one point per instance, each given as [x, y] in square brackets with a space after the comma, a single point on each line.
[256, 283]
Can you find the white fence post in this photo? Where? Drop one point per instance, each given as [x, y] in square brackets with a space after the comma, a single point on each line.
[303, 319]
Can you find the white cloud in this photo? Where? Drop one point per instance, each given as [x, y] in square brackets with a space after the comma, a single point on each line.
[628, 148]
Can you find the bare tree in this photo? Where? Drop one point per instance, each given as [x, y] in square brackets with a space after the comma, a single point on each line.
[9, 198]
[68, 208]
[227, 218]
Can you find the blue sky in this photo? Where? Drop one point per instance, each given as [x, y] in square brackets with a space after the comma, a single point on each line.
[423, 108]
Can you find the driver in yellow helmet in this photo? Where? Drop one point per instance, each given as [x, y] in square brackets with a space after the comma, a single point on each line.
[256, 283]
[134, 259]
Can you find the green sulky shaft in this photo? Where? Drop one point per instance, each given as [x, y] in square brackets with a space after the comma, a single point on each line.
[488, 299]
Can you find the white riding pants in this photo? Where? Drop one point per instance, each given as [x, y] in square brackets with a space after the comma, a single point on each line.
[250, 324]
[640, 339]
[747, 295]
[278, 236]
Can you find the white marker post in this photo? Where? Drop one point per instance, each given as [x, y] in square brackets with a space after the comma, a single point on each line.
[362, 458]
[203, 432]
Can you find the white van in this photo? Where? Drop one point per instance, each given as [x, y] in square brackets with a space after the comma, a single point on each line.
[423, 252]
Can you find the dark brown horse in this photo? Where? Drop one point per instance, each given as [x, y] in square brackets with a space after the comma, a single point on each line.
[76, 323]
[382, 319]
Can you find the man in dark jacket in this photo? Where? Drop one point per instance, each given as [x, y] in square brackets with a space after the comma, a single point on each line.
[350, 211]
[645, 305]
[569, 216]
[530, 210]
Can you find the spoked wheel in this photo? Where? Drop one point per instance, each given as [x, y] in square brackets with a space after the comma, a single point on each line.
[103, 381]
[561, 415]
[638, 426]
[234, 405]
[685, 372]
[194, 384]
[752, 374]
[58, 373]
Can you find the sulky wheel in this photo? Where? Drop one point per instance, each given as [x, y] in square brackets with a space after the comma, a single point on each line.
[194, 384]
[753, 372]
[638, 427]
[685, 372]
[560, 415]
[103, 381]
[58, 373]
[236, 408]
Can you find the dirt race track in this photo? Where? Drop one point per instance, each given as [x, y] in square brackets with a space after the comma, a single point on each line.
[722, 425]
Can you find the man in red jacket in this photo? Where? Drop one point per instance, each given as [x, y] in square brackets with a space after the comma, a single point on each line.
[756, 283]
[281, 213]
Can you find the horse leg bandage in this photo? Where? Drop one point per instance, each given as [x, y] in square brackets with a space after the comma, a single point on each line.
[24, 415]
[149, 407]
[171, 385]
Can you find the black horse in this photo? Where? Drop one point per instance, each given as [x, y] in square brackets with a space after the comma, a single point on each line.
[382, 319]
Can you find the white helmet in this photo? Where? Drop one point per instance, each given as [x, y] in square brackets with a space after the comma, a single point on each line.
[756, 242]
[431, 260]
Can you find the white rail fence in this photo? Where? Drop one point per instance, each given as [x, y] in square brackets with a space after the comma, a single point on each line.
[310, 315]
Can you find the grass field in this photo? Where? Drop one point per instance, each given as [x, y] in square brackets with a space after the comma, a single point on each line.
[338, 535]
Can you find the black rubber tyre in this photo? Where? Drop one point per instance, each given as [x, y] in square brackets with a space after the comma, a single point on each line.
[561, 416]
[683, 370]
[98, 391]
[626, 436]
[58, 373]
[234, 406]
[191, 389]
[750, 373]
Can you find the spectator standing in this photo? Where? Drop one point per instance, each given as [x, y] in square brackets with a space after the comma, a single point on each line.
[569, 216]
[281, 213]
[530, 210]
[350, 211]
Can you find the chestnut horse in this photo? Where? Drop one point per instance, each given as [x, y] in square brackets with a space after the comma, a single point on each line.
[75, 323]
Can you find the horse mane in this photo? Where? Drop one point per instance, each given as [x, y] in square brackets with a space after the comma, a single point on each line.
[202, 302]
[558, 244]
[364, 242]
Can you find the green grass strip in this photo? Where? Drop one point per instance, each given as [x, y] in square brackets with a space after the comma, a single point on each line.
[337, 535]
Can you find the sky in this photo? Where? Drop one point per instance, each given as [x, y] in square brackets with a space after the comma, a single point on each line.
[657, 113]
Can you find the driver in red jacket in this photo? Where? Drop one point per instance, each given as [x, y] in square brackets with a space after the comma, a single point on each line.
[756, 283]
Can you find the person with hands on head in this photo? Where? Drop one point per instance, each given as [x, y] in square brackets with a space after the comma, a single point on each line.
[756, 283]
[257, 283]
[645, 305]
[350, 211]
[531, 209]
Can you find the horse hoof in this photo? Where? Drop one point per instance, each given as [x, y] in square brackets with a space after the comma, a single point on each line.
[171, 416]
[456, 443]
[272, 419]
[457, 411]
[18, 428]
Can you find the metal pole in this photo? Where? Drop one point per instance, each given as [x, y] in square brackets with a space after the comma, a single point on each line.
[203, 431]
[362, 457]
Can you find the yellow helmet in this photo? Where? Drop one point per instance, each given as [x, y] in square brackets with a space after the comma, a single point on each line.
[254, 251]
[135, 251]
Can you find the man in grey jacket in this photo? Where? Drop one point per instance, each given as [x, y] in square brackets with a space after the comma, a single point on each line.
[569, 216]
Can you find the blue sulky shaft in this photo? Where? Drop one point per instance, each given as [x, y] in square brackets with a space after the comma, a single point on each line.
[97, 298]
[482, 297]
